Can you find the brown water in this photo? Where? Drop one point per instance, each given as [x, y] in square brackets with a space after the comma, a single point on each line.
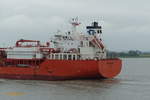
[132, 84]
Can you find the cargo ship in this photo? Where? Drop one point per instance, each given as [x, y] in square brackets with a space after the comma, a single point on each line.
[69, 55]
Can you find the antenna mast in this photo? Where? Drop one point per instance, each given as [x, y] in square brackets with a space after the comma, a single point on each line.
[74, 22]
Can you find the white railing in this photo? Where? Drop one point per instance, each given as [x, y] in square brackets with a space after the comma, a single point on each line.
[72, 56]
[63, 56]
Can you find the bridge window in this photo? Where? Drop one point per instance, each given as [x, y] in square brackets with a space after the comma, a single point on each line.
[69, 57]
[74, 57]
[65, 57]
[52, 56]
[87, 43]
[90, 44]
[56, 56]
[81, 43]
[61, 57]
[78, 57]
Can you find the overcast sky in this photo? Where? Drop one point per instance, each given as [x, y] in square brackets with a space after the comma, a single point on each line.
[126, 23]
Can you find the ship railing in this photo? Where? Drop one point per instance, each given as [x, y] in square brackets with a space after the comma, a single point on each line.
[64, 56]
[71, 56]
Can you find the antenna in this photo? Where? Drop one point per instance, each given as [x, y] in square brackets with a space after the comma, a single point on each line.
[74, 22]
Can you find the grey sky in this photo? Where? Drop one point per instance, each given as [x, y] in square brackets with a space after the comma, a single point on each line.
[125, 22]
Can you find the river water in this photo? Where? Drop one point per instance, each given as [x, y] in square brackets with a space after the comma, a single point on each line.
[133, 83]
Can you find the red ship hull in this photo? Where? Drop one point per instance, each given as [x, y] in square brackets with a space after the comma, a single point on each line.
[64, 69]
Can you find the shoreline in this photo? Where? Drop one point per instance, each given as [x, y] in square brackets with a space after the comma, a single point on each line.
[135, 57]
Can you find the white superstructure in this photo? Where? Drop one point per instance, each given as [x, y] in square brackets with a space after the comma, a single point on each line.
[88, 45]
[71, 46]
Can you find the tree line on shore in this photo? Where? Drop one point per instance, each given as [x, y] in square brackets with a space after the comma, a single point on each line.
[130, 53]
